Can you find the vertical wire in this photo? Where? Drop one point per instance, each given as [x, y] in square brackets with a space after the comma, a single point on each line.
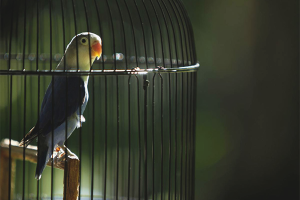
[139, 132]
[191, 133]
[143, 32]
[155, 64]
[191, 37]
[52, 87]
[10, 40]
[194, 131]
[180, 35]
[136, 60]
[129, 79]
[93, 137]
[10, 124]
[145, 132]
[24, 120]
[152, 35]
[186, 136]
[24, 133]
[153, 126]
[66, 110]
[24, 38]
[181, 153]
[145, 102]
[100, 29]
[162, 138]
[187, 29]
[182, 94]
[170, 134]
[37, 68]
[133, 32]
[170, 123]
[50, 15]
[183, 27]
[37, 37]
[192, 40]
[160, 32]
[1, 21]
[124, 35]
[75, 26]
[115, 67]
[129, 138]
[113, 35]
[105, 139]
[10, 108]
[80, 131]
[176, 93]
[88, 30]
[175, 133]
[30, 81]
[167, 29]
[118, 135]
[102, 60]
[17, 21]
[124, 38]
[93, 103]
[79, 96]
[193, 44]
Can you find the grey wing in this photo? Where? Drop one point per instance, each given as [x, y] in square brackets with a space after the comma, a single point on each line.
[69, 95]
[58, 104]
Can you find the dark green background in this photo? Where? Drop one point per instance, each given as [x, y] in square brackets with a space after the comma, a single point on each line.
[247, 130]
[247, 139]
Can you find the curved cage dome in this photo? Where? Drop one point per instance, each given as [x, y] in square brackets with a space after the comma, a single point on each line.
[137, 141]
[137, 33]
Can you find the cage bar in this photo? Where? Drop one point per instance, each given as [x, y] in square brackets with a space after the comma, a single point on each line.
[138, 138]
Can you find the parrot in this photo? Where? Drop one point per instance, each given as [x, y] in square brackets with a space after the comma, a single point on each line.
[63, 99]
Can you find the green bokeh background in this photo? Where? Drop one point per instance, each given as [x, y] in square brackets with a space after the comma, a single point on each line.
[247, 125]
[247, 136]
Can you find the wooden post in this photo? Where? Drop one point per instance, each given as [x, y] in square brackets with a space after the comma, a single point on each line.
[71, 189]
[72, 171]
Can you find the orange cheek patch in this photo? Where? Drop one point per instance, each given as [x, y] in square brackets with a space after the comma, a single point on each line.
[97, 50]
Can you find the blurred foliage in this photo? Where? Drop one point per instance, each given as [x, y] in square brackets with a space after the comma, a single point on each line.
[246, 129]
[247, 136]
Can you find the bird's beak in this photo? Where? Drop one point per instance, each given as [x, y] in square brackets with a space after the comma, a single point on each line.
[96, 49]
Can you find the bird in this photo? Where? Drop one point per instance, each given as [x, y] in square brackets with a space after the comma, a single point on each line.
[65, 99]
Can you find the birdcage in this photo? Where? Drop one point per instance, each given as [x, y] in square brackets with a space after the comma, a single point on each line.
[138, 138]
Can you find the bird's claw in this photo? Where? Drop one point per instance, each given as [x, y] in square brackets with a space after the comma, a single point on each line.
[69, 152]
[59, 154]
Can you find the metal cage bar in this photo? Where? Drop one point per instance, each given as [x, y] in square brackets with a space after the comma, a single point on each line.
[138, 139]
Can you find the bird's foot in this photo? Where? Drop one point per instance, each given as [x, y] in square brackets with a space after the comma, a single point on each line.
[59, 155]
[69, 152]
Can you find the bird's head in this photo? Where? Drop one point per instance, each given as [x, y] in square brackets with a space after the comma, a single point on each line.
[88, 46]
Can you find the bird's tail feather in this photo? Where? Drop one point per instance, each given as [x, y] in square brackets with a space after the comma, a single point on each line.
[43, 157]
[28, 137]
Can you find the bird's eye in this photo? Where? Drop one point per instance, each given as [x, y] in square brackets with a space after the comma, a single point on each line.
[83, 41]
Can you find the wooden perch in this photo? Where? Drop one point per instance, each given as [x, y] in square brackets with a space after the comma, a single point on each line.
[72, 172]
